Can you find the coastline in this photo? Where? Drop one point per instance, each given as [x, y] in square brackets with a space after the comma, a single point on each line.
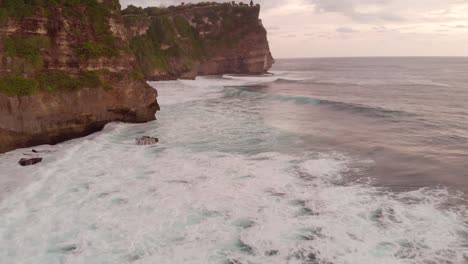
[77, 81]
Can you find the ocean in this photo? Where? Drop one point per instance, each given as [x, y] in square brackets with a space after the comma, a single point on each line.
[323, 161]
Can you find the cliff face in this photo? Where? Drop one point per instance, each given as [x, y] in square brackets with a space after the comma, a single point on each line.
[202, 39]
[66, 70]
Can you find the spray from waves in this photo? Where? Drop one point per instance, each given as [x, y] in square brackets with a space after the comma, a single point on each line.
[177, 206]
[275, 77]
[204, 88]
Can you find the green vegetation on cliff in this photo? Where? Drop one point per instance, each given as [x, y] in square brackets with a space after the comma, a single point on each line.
[19, 9]
[55, 81]
[172, 39]
[93, 49]
[18, 86]
[166, 38]
[27, 48]
[88, 21]
[93, 12]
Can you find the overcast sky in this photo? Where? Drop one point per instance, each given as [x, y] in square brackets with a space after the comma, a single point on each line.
[336, 28]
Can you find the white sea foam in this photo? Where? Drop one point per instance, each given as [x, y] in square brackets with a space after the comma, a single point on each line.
[274, 76]
[221, 187]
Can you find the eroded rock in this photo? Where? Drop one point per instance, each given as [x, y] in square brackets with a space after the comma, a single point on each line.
[29, 161]
[146, 141]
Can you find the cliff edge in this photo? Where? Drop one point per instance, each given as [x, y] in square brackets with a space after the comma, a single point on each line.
[66, 70]
[198, 39]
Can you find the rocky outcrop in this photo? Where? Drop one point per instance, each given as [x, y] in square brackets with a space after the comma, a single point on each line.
[144, 141]
[66, 71]
[201, 39]
[30, 161]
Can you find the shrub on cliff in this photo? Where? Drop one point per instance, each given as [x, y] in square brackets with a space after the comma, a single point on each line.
[133, 10]
[18, 86]
[156, 11]
[167, 37]
[25, 47]
[54, 81]
[94, 12]
[93, 50]
[61, 81]
[16, 9]
[28, 48]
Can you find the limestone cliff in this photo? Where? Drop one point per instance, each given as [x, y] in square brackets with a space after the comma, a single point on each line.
[198, 39]
[66, 70]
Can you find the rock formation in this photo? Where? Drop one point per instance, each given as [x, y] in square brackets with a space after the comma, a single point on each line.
[69, 67]
[144, 141]
[30, 161]
[198, 39]
[66, 70]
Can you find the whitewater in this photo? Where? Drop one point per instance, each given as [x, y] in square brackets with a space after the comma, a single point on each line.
[229, 183]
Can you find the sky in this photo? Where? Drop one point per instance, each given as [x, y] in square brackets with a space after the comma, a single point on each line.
[350, 28]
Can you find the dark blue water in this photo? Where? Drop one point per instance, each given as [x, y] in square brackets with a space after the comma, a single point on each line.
[408, 115]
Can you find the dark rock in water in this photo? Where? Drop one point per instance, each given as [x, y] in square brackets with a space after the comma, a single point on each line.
[243, 247]
[68, 248]
[306, 257]
[65, 249]
[271, 253]
[146, 141]
[244, 223]
[41, 151]
[133, 257]
[307, 211]
[28, 162]
[233, 261]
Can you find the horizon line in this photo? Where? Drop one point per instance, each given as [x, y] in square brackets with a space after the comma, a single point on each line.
[380, 56]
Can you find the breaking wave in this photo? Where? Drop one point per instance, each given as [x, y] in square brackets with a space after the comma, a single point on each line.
[339, 106]
[222, 187]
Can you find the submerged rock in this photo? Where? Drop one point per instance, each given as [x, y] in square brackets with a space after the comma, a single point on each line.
[27, 162]
[146, 141]
[271, 252]
[41, 151]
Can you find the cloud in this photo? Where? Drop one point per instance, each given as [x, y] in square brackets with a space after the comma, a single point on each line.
[373, 27]
[455, 26]
[346, 30]
[363, 11]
